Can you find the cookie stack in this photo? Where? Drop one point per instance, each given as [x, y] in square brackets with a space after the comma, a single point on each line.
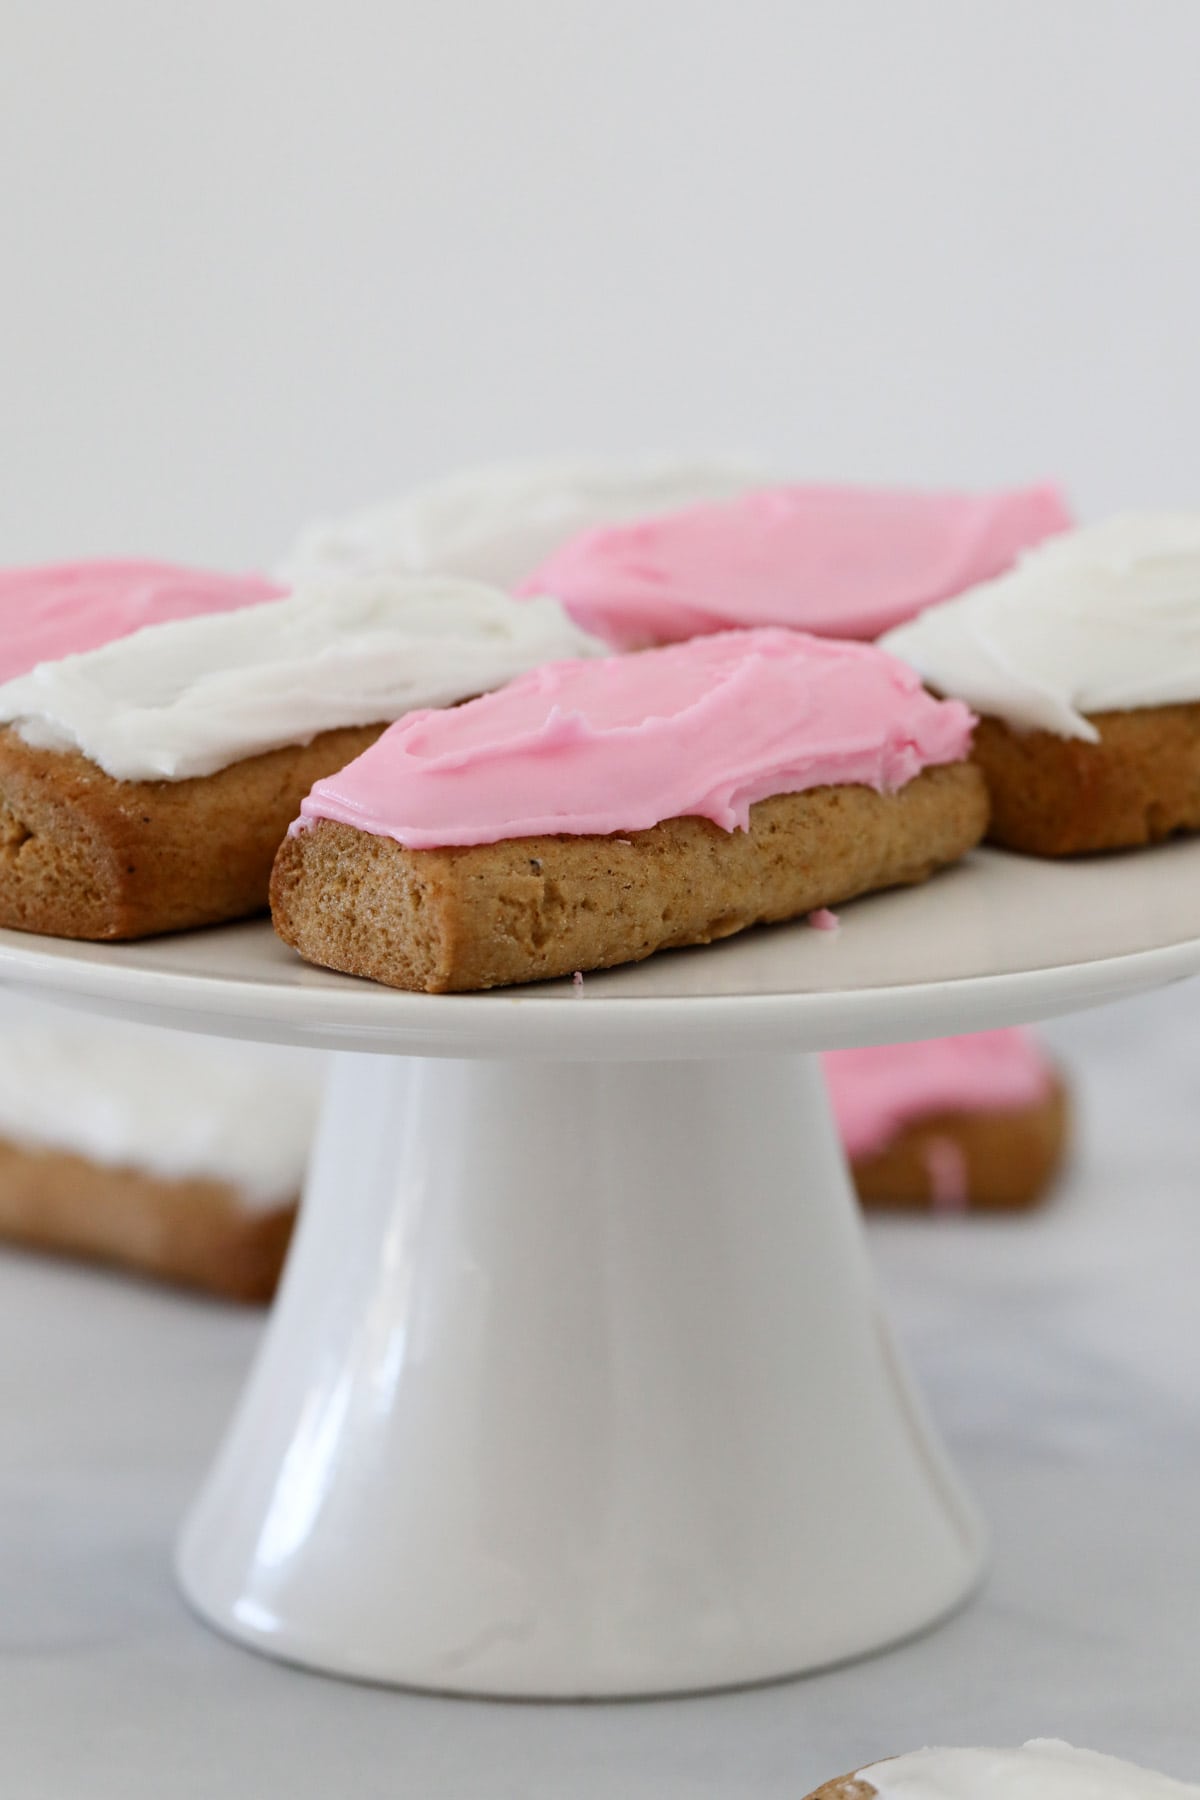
[551, 718]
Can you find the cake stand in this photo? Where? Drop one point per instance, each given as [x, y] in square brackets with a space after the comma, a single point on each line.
[577, 1384]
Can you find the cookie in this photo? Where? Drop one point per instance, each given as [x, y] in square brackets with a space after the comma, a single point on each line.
[62, 609]
[845, 562]
[593, 813]
[1084, 664]
[528, 909]
[174, 1156]
[498, 522]
[1137, 783]
[969, 1161]
[1045, 1767]
[85, 856]
[844, 1787]
[950, 1123]
[191, 1233]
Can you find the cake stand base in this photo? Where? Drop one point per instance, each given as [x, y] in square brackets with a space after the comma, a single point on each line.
[577, 1387]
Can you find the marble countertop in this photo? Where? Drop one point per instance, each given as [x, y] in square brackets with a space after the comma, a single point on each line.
[1060, 1355]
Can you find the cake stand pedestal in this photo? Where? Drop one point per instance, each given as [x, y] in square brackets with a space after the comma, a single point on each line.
[577, 1385]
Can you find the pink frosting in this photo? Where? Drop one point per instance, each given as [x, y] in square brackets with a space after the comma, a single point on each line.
[843, 562]
[949, 1176]
[878, 1091]
[707, 728]
[63, 608]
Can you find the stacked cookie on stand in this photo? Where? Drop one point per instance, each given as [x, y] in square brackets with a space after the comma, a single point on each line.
[554, 718]
[670, 553]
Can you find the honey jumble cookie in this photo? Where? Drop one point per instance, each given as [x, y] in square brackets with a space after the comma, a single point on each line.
[1044, 1769]
[593, 813]
[173, 1157]
[951, 1125]
[1084, 663]
[158, 730]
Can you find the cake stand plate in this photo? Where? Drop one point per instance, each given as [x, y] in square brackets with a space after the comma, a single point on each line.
[577, 1384]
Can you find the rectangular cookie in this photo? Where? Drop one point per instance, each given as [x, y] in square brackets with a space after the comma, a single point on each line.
[529, 908]
[1138, 783]
[1083, 664]
[176, 1156]
[192, 1233]
[85, 856]
[999, 1161]
[590, 814]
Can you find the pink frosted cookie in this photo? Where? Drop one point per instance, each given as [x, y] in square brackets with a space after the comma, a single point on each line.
[952, 1124]
[62, 609]
[591, 813]
[838, 561]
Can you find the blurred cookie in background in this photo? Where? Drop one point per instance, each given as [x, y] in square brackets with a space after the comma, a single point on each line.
[1043, 1769]
[177, 1157]
[962, 1124]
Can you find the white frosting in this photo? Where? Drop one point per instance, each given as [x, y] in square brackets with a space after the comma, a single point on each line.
[1044, 1769]
[498, 523]
[187, 698]
[168, 1105]
[1093, 621]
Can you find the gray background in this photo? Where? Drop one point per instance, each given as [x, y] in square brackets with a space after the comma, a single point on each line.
[265, 258]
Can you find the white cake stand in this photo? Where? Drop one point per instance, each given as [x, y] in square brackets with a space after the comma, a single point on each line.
[577, 1384]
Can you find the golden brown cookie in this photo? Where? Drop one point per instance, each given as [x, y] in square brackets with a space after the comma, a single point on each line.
[844, 1787]
[530, 908]
[85, 856]
[1056, 796]
[195, 1233]
[1007, 1160]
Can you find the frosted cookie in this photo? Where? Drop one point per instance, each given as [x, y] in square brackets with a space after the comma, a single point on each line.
[496, 523]
[840, 561]
[63, 608]
[179, 1158]
[145, 782]
[1043, 1769]
[954, 1124]
[593, 813]
[1085, 662]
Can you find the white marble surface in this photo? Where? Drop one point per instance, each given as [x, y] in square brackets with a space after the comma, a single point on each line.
[1060, 1355]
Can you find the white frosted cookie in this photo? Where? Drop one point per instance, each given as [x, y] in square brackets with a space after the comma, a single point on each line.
[145, 783]
[179, 1157]
[1084, 663]
[1044, 1769]
[496, 523]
